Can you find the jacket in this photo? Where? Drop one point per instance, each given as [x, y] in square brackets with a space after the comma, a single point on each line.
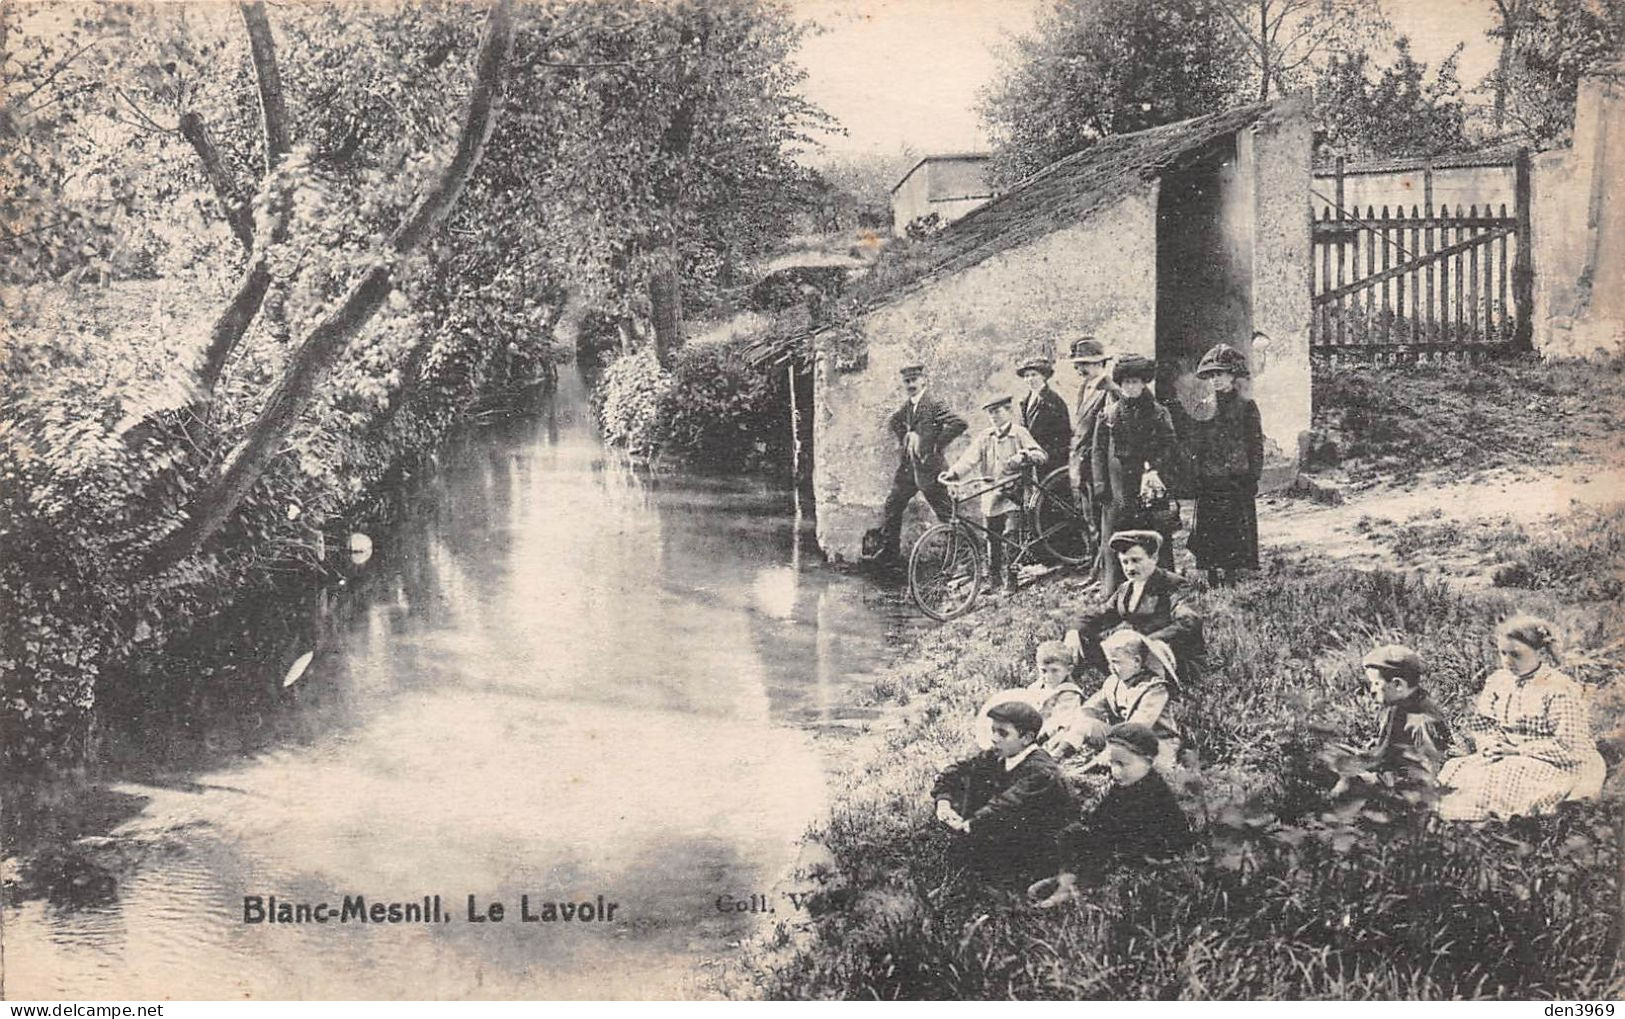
[1230, 445]
[1094, 397]
[1163, 612]
[934, 423]
[1049, 423]
[1030, 800]
[1142, 819]
[1129, 436]
[986, 457]
[1413, 724]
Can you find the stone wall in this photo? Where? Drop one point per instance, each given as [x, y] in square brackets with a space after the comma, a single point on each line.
[1579, 229]
[1275, 155]
[971, 329]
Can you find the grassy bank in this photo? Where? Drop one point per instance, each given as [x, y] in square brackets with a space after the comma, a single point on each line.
[1387, 422]
[1285, 898]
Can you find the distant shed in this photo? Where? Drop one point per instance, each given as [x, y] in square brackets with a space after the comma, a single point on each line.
[949, 184]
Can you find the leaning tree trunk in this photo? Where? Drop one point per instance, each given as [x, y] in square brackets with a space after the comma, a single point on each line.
[245, 303]
[327, 341]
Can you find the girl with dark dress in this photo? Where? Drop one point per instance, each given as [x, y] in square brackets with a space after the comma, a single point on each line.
[1228, 450]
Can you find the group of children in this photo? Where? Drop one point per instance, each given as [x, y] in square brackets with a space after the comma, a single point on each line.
[1015, 806]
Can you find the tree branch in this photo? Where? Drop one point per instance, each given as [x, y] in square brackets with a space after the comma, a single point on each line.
[242, 224]
[273, 111]
[61, 66]
[328, 340]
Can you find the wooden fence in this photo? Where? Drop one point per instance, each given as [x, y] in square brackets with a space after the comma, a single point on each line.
[1422, 281]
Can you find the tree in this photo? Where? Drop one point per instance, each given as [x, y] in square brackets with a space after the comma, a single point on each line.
[1099, 67]
[1284, 38]
[674, 159]
[326, 342]
[1546, 47]
[1366, 109]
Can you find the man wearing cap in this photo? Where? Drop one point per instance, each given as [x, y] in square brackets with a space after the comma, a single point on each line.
[1151, 601]
[924, 427]
[1002, 453]
[1043, 412]
[1132, 440]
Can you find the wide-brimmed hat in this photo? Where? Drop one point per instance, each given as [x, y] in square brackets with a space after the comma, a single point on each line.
[1089, 350]
[1136, 737]
[1122, 541]
[1396, 659]
[1134, 366]
[1037, 364]
[913, 369]
[1222, 357]
[1003, 400]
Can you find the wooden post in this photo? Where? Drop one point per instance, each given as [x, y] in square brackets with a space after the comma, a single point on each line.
[1340, 239]
[1523, 272]
[795, 427]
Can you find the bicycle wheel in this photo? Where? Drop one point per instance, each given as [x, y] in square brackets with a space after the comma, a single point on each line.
[945, 571]
[1063, 529]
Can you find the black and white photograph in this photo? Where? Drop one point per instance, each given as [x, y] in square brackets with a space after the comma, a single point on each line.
[789, 500]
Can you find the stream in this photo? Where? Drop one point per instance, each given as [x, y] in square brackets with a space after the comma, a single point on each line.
[560, 678]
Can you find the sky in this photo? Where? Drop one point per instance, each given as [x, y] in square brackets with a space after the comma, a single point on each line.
[901, 73]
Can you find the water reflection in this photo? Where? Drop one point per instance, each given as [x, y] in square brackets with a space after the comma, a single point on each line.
[558, 676]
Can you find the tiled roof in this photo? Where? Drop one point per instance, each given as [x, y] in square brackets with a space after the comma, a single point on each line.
[1063, 194]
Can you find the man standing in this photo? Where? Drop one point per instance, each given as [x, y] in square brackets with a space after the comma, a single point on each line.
[1043, 412]
[1091, 361]
[924, 427]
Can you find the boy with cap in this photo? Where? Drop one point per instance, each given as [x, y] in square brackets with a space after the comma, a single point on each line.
[924, 427]
[1138, 817]
[1133, 438]
[1002, 453]
[1411, 728]
[1043, 412]
[1229, 461]
[1008, 801]
[1151, 601]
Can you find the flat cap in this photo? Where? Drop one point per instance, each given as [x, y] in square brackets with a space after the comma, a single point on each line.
[1136, 737]
[1122, 541]
[1394, 658]
[911, 370]
[998, 401]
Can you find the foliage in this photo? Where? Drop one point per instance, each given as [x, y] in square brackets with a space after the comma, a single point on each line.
[627, 400]
[1547, 47]
[713, 410]
[1293, 894]
[1093, 68]
[1368, 109]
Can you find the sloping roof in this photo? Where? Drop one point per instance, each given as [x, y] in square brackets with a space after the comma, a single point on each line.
[1499, 155]
[1061, 195]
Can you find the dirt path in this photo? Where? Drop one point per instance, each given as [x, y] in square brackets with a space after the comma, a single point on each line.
[1360, 531]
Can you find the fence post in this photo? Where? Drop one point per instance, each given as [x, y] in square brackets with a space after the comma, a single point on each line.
[1523, 273]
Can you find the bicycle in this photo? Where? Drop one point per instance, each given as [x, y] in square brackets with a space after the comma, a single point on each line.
[947, 566]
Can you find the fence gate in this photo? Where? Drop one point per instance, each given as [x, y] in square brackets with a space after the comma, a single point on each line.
[1428, 282]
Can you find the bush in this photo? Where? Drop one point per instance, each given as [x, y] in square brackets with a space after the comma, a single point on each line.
[627, 400]
[712, 409]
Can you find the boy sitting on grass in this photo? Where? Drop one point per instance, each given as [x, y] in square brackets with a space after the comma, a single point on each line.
[1138, 818]
[1057, 699]
[1412, 732]
[1008, 802]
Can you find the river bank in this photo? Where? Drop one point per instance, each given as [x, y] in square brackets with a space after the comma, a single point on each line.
[1245, 916]
[479, 718]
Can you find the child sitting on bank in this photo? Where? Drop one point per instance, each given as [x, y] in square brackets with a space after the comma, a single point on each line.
[1006, 803]
[1001, 454]
[1058, 699]
[1139, 817]
[1139, 689]
[1412, 731]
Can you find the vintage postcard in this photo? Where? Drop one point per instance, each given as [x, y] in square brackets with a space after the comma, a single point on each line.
[812, 499]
